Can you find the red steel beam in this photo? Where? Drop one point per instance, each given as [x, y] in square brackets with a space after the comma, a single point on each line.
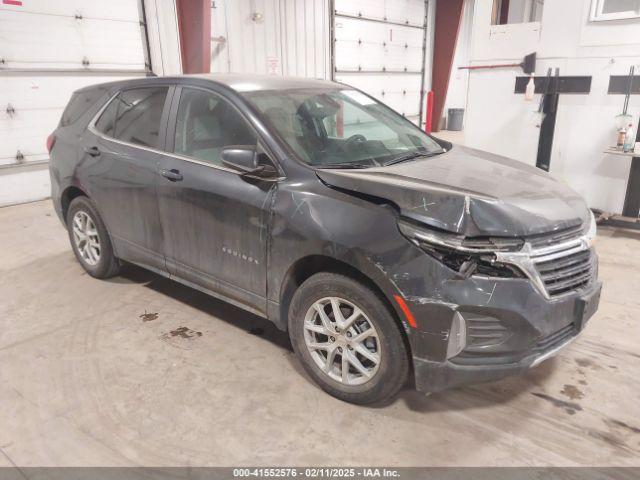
[504, 12]
[448, 15]
[428, 127]
[194, 23]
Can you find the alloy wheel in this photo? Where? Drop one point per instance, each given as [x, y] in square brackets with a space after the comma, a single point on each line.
[85, 236]
[342, 341]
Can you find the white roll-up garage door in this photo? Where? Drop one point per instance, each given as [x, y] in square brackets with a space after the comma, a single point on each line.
[275, 37]
[380, 47]
[48, 49]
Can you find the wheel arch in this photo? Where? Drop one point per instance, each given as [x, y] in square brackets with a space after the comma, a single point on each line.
[67, 196]
[310, 265]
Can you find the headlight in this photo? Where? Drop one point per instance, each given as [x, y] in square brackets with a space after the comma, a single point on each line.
[467, 256]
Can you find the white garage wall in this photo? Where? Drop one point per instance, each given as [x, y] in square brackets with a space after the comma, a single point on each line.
[379, 49]
[48, 50]
[278, 37]
[26, 184]
[164, 36]
[292, 37]
[500, 121]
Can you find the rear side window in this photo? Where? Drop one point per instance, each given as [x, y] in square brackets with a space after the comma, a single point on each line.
[133, 116]
[78, 105]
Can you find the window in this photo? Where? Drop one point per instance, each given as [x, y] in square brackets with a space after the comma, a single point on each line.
[325, 127]
[139, 113]
[78, 105]
[134, 116]
[614, 9]
[206, 123]
[516, 11]
[107, 121]
[351, 120]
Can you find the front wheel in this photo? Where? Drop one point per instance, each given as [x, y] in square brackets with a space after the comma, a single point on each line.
[347, 339]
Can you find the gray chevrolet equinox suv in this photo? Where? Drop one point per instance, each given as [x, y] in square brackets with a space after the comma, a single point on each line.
[385, 253]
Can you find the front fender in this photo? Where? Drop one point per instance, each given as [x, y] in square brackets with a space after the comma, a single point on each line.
[312, 219]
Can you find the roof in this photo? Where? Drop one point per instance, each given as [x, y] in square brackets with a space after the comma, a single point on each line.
[239, 82]
[251, 82]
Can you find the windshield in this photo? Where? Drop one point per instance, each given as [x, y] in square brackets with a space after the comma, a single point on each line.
[341, 128]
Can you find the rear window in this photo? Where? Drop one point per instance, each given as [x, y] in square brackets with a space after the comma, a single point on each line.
[133, 116]
[79, 104]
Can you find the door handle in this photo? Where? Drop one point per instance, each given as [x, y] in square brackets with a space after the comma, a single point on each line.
[172, 175]
[93, 151]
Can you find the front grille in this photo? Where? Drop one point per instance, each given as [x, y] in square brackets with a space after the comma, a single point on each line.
[566, 273]
[554, 238]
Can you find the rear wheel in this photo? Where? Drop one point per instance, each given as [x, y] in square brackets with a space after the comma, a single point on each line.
[347, 339]
[89, 239]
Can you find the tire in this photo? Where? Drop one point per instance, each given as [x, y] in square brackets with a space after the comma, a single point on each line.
[98, 262]
[385, 343]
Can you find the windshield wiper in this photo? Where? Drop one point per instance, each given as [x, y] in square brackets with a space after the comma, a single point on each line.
[343, 165]
[411, 156]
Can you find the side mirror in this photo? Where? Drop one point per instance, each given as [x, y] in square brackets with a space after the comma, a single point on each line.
[246, 160]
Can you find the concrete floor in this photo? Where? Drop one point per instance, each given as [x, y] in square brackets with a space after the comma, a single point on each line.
[91, 375]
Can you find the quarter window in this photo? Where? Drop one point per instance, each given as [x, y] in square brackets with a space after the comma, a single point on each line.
[206, 123]
[79, 104]
[133, 116]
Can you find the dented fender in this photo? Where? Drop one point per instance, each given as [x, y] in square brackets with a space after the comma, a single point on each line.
[309, 219]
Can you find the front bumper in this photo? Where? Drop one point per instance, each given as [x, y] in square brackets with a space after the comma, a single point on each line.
[498, 362]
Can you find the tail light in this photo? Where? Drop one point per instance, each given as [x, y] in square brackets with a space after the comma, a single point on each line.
[51, 141]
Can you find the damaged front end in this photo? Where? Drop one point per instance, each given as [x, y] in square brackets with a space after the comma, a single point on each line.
[502, 272]
[501, 304]
[464, 255]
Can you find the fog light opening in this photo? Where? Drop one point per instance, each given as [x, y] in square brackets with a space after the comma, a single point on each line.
[457, 339]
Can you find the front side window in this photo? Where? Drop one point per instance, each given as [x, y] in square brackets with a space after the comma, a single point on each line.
[133, 116]
[341, 127]
[206, 123]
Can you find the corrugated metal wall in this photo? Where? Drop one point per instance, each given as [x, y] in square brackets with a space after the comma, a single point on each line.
[278, 37]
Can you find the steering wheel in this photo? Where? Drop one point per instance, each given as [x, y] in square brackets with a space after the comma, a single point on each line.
[354, 140]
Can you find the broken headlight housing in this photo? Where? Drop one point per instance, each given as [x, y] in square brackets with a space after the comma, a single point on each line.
[466, 256]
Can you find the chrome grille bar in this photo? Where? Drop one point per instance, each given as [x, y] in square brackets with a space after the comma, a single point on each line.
[555, 268]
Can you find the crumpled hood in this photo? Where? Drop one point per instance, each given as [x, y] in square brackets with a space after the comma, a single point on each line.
[470, 192]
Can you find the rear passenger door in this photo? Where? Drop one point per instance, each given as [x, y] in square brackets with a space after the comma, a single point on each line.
[214, 220]
[122, 151]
